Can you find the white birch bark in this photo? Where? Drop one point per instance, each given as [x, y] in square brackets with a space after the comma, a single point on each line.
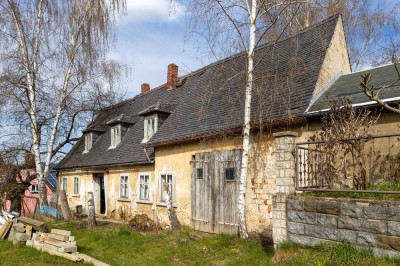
[246, 123]
[30, 41]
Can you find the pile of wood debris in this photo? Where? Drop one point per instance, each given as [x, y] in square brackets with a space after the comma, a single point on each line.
[57, 240]
[36, 234]
[19, 229]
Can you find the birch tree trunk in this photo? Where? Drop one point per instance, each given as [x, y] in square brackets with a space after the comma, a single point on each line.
[50, 62]
[173, 219]
[246, 123]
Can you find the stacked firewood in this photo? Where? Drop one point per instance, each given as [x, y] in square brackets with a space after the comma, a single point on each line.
[57, 240]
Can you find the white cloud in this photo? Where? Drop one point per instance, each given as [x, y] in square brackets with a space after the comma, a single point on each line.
[153, 11]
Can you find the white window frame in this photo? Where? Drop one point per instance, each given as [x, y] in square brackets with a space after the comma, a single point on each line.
[139, 196]
[76, 185]
[161, 188]
[147, 135]
[115, 136]
[34, 191]
[126, 183]
[88, 142]
[64, 184]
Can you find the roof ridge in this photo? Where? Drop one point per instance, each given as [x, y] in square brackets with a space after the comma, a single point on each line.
[226, 59]
[371, 68]
[267, 44]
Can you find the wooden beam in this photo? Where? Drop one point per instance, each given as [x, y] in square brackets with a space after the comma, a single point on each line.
[37, 225]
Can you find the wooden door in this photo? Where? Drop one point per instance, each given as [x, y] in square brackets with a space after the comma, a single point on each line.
[215, 190]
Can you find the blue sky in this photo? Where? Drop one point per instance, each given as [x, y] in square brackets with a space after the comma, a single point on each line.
[149, 38]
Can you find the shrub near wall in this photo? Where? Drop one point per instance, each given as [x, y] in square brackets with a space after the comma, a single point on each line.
[373, 224]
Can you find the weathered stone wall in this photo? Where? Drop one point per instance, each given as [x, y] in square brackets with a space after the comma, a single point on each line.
[284, 168]
[372, 224]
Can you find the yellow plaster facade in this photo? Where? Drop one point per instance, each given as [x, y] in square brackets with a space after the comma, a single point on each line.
[336, 59]
[175, 160]
[115, 206]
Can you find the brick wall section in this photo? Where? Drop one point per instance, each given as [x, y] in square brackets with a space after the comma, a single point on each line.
[284, 172]
[372, 224]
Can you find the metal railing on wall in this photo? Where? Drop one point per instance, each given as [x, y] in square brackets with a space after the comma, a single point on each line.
[367, 164]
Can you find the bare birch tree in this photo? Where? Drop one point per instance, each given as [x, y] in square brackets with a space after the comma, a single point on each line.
[54, 69]
[374, 92]
[231, 26]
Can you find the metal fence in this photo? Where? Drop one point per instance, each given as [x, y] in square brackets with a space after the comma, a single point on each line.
[368, 164]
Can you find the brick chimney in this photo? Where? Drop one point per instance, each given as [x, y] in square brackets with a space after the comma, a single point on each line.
[145, 87]
[29, 161]
[172, 76]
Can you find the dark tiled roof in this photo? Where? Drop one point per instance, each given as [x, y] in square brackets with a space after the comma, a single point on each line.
[348, 86]
[158, 108]
[95, 128]
[122, 119]
[130, 150]
[285, 77]
[211, 99]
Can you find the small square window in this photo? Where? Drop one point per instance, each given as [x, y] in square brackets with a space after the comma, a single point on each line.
[230, 174]
[35, 189]
[199, 173]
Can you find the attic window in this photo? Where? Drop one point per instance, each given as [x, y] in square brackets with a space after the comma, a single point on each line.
[150, 127]
[115, 136]
[88, 142]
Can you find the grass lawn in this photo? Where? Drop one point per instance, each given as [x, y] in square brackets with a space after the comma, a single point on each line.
[121, 246]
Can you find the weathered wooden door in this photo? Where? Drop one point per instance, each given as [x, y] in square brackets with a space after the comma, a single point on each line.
[215, 190]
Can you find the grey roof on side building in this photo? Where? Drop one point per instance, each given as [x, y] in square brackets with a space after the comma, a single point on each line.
[211, 100]
[348, 86]
[286, 74]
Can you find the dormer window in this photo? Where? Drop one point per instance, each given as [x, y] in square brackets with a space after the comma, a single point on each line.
[115, 136]
[150, 127]
[88, 142]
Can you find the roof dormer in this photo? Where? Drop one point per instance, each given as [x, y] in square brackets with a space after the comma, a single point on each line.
[91, 135]
[119, 126]
[154, 117]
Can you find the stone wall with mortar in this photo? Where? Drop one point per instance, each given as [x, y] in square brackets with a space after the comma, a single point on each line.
[370, 224]
[284, 172]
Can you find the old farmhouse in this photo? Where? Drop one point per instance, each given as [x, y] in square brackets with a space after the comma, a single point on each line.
[187, 133]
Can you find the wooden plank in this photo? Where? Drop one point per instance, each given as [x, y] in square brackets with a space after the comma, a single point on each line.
[54, 242]
[61, 232]
[58, 237]
[4, 229]
[72, 257]
[91, 260]
[37, 225]
[66, 212]
[68, 249]
[28, 231]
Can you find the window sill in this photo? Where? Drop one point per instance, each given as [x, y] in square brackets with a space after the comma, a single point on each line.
[75, 195]
[163, 204]
[124, 200]
[144, 202]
